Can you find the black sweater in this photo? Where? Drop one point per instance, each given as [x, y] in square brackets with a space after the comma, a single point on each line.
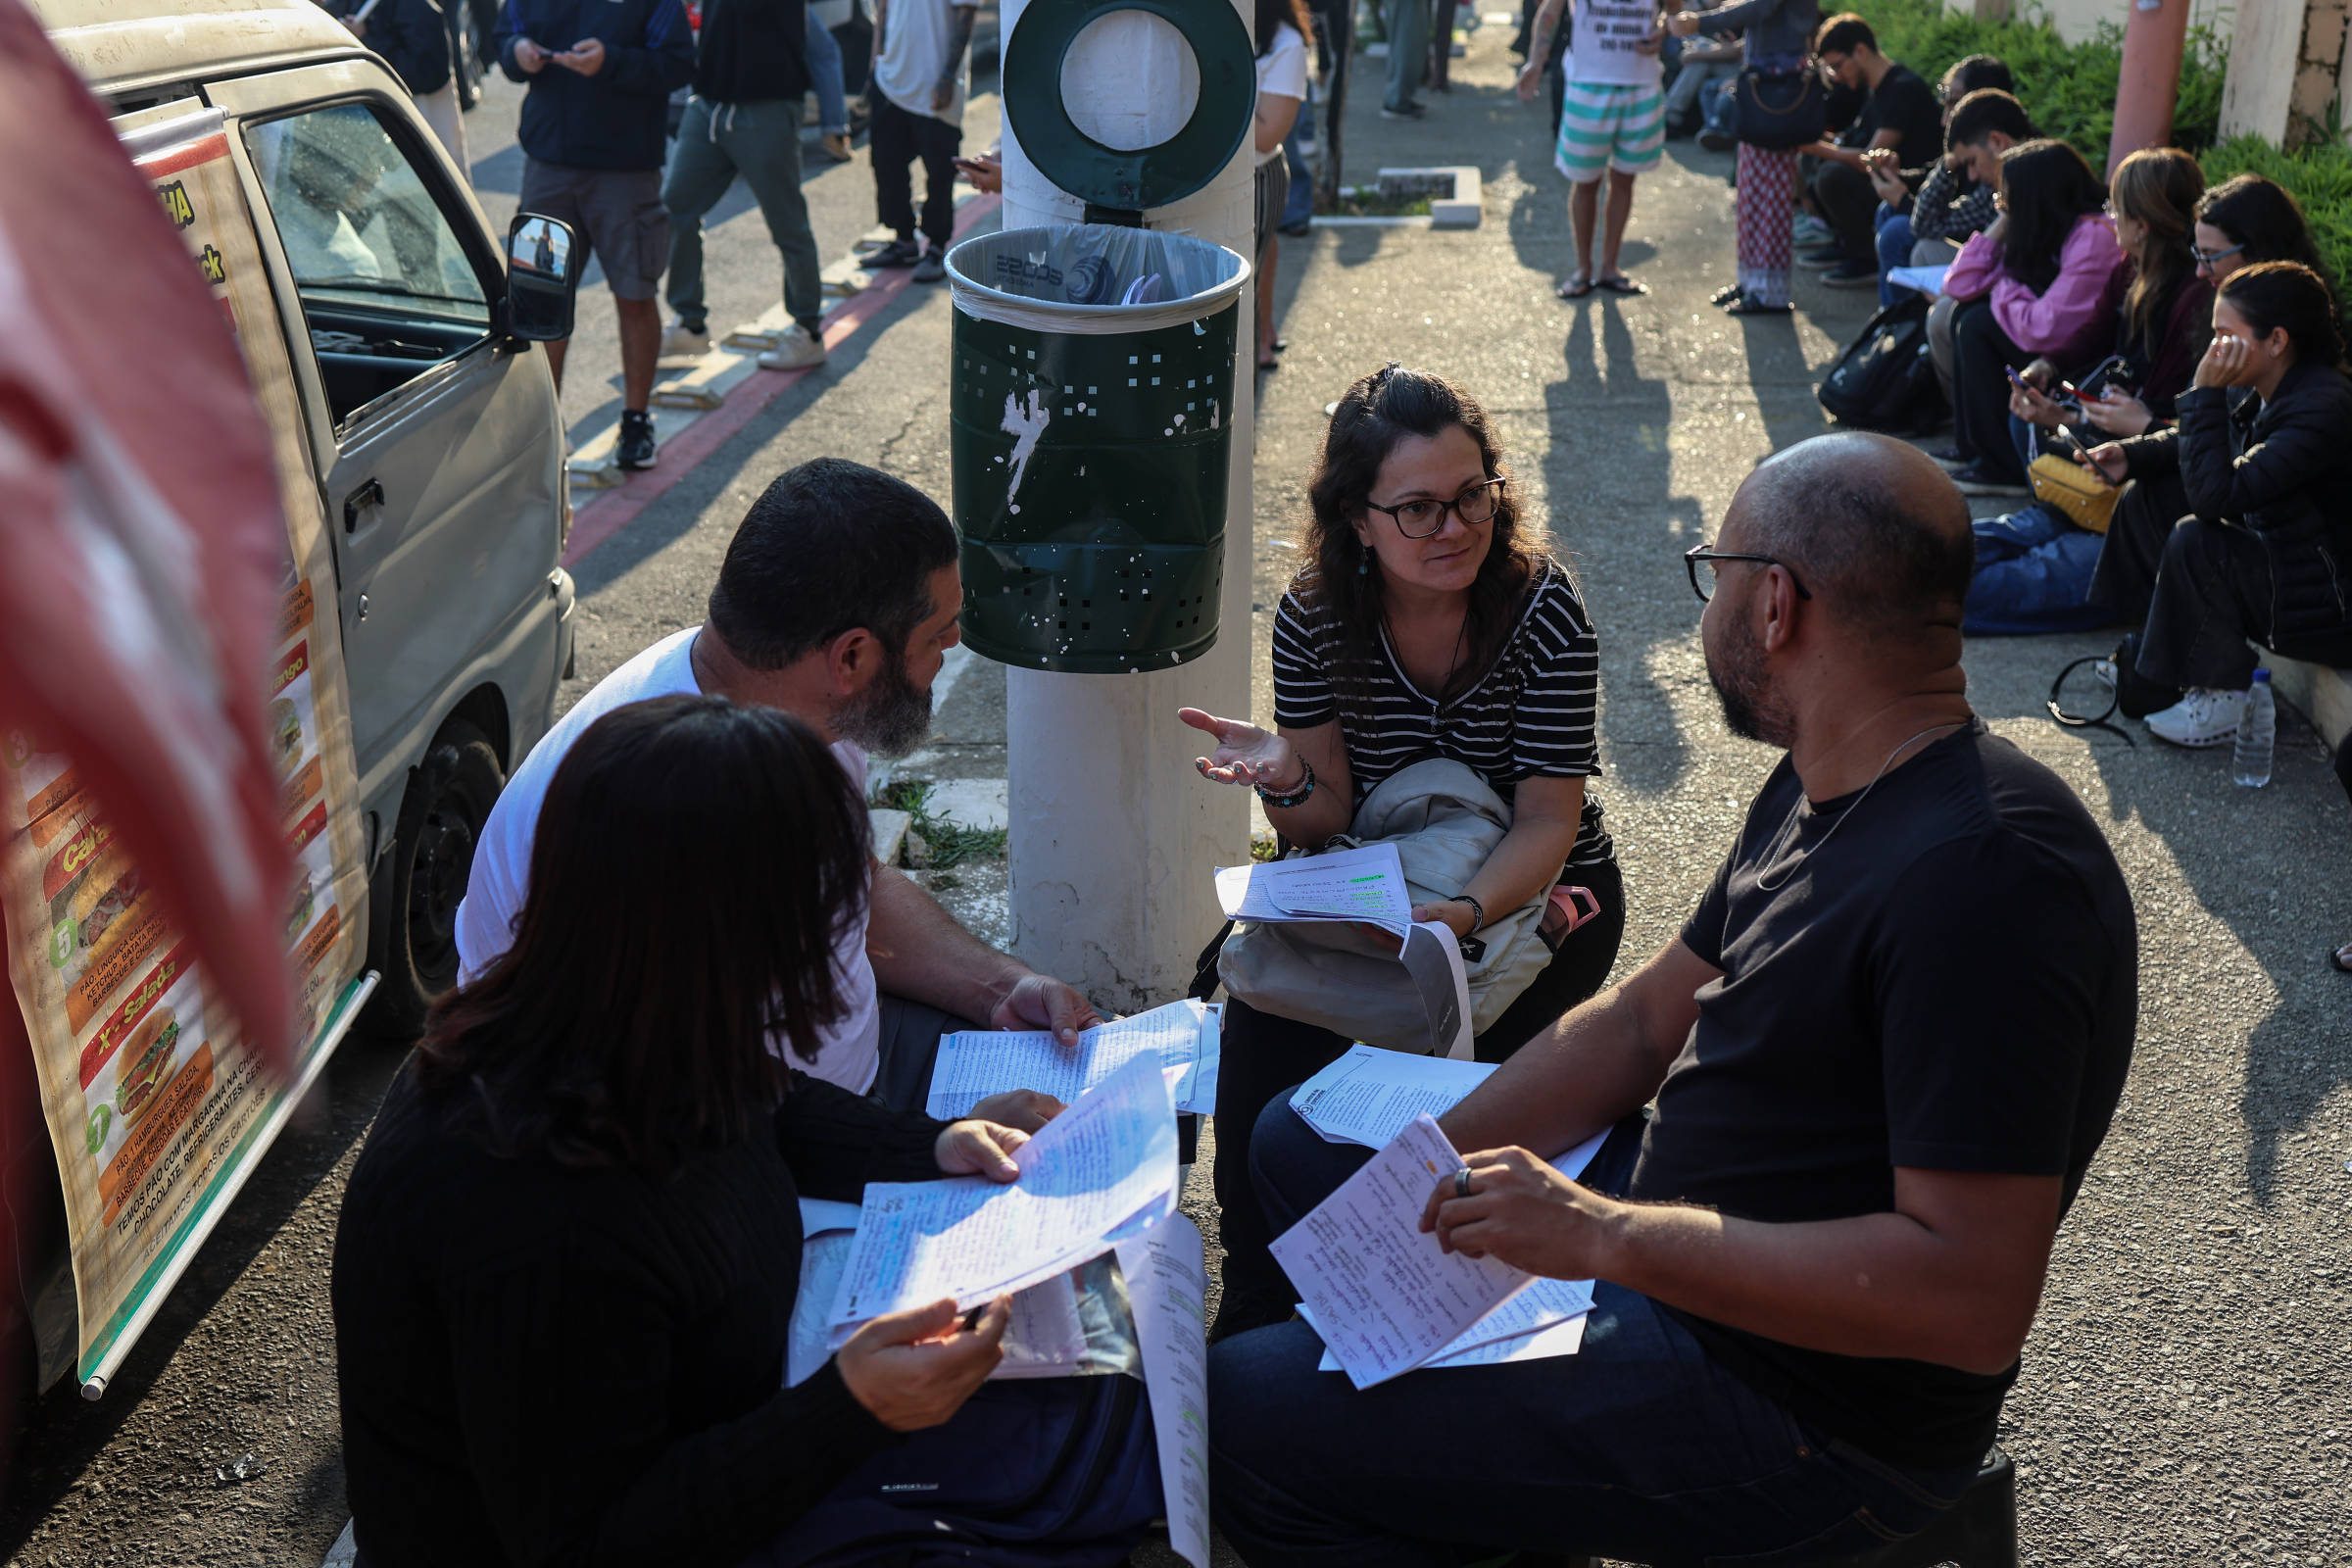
[753, 51]
[544, 1364]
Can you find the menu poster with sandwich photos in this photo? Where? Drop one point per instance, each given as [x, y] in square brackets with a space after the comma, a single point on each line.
[155, 1107]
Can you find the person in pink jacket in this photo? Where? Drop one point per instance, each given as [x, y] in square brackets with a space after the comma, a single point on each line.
[2043, 282]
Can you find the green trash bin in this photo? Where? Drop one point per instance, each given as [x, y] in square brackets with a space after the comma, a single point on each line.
[1090, 441]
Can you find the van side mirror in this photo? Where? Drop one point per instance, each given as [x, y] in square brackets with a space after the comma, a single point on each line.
[543, 277]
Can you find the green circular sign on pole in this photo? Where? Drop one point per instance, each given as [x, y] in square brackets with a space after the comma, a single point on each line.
[1148, 176]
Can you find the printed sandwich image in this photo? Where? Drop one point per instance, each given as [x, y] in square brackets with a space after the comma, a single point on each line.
[145, 1065]
[98, 914]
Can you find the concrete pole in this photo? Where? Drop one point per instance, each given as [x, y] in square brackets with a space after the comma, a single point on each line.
[1112, 835]
[2155, 34]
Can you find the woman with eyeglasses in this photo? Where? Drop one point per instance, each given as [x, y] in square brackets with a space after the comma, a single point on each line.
[567, 1260]
[2042, 283]
[2034, 566]
[1423, 624]
[2247, 219]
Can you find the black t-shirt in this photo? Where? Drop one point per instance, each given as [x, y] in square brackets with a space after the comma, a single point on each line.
[1946, 982]
[1904, 102]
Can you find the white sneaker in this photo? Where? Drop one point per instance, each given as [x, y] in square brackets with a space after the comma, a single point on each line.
[795, 350]
[680, 348]
[2201, 717]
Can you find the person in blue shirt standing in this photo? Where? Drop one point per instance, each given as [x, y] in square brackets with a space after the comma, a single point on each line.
[593, 130]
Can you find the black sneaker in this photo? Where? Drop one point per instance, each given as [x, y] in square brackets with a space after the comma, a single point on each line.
[1413, 111]
[898, 253]
[635, 449]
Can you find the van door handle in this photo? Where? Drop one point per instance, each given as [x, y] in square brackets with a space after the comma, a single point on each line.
[371, 494]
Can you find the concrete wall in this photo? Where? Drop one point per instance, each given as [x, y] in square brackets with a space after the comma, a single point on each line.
[2286, 64]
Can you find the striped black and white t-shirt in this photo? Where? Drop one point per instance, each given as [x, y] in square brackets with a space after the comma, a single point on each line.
[1531, 715]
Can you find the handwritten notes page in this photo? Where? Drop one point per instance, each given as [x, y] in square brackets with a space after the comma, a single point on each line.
[1366, 884]
[1102, 1170]
[1387, 1297]
[1368, 1094]
[974, 1063]
[1167, 1283]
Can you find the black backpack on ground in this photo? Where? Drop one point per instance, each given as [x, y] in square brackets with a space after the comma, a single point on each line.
[1885, 379]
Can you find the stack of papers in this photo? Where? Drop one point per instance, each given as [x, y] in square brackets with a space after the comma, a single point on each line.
[1369, 1095]
[974, 1063]
[1926, 280]
[1366, 884]
[1387, 1299]
[1101, 1172]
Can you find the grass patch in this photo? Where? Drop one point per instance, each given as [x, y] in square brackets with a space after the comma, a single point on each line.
[2069, 88]
[1367, 201]
[951, 843]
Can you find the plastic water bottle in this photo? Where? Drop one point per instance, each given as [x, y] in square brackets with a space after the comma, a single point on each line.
[2256, 732]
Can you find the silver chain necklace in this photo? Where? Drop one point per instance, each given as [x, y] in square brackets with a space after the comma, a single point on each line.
[1788, 833]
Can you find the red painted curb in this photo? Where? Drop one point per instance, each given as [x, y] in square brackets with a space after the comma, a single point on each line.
[611, 511]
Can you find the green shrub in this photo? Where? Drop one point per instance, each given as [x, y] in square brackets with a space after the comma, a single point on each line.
[2320, 176]
[2069, 88]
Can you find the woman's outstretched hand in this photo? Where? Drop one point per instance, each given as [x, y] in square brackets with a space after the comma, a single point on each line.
[1245, 754]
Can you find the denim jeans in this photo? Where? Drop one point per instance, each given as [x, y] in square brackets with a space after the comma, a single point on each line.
[1639, 1446]
[1409, 51]
[1895, 250]
[825, 71]
[1301, 206]
[2033, 570]
[1718, 107]
[1690, 85]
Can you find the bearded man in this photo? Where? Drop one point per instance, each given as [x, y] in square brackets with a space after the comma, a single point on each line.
[837, 603]
[1877, 1060]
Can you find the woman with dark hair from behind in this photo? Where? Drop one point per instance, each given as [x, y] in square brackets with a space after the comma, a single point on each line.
[1283, 28]
[2042, 283]
[1424, 622]
[2263, 454]
[2247, 219]
[566, 1258]
[2034, 566]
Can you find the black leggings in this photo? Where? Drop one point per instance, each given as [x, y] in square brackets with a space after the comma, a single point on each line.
[1262, 1057]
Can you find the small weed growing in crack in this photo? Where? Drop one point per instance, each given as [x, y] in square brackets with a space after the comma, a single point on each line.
[951, 843]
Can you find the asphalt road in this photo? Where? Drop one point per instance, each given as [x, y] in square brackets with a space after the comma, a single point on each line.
[2184, 1397]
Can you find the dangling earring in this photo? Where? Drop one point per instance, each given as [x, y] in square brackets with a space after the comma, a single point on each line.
[1363, 559]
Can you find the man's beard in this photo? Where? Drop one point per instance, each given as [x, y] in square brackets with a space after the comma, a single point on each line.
[1738, 677]
[891, 717]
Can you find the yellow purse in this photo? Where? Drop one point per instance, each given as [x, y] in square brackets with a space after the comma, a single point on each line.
[2086, 499]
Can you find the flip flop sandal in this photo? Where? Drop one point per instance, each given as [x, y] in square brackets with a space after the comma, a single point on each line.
[1575, 289]
[1729, 294]
[1620, 284]
[2335, 958]
[1743, 305]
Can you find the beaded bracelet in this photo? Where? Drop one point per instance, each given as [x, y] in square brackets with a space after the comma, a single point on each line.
[1294, 797]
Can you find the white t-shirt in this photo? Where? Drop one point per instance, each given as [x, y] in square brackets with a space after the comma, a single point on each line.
[1282, 71]
[914, 56]
[850, 1047]
[1601, 49]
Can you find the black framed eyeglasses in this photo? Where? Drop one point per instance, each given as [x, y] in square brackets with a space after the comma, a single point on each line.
[1418, 520]
[1704, 587]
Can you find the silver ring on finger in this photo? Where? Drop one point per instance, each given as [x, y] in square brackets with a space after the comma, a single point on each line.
[1461, 1182]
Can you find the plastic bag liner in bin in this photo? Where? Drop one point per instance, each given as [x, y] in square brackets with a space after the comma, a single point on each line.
[1089, 442]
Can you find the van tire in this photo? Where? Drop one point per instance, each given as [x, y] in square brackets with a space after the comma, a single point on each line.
[413, 920]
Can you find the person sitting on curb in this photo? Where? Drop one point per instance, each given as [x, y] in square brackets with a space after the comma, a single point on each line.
[1925, 214]
[1818, 1259]
[566, 1261]
[2033, 564]
[837, 603]
[2263, 455]
[1901, 122]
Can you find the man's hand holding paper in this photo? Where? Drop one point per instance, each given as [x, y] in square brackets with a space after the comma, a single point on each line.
[1521, 1211]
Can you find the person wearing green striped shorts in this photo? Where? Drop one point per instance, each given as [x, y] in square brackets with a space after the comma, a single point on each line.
[1612, 122]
